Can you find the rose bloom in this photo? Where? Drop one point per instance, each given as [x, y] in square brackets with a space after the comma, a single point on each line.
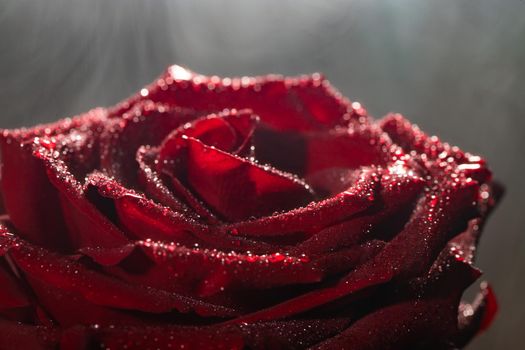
[231, 213]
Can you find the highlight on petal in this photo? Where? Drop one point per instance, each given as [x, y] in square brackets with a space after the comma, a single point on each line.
[302, 103]
[238, 188]
[229, 131]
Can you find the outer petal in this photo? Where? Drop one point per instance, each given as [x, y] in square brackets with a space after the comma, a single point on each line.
[74, 281]
[410, 253]
[31, 201]
[139, 216]
[14, 335]
[304, 103]
[399, 190]
[210, 271]
[87, 226]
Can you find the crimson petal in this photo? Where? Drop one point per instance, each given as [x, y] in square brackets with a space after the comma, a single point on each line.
[14, 335]
[29, 198]
[87, 226]
[408, 254]
[315, 215]
[140, 216]
[238, 188]
[303, 103]
[73, 278]
[400, 187]
[155, 188]
[146, 123]
[477, 316]
[210, 271]
[166, 337]
[228, 131]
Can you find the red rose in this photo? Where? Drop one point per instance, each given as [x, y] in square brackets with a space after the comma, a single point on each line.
[239, 213]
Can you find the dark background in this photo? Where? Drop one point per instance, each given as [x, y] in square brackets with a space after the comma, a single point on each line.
[454, 67]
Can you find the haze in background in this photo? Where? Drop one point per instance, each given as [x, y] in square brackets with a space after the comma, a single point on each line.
[456, 68]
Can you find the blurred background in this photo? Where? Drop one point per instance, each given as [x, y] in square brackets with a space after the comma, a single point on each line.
[454, 67]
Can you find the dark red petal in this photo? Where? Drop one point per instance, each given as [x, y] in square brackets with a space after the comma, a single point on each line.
[315, 215]
[228, 131]
[324, 157]
[87, 226]
[209, 271]
[14, 335]
[155, 188]
[70, 308]
[352, 148]
[291, 334]
[146, 123]
[346, 259]
[166, 337]
[410, 137]
[399, 189]
[490, 306]
[237, 188]
[303, 103]
[74, 279]
[31, 201]
[408, 254]
[427, 320]
[140, 216]
[200, 208]
[432, 150]
[399, 326]
[12, 295]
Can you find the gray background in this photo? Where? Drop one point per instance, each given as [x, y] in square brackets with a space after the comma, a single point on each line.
[455, 67]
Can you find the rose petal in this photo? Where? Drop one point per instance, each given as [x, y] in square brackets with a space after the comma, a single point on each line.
[228, 131]
[29, 198]
[197, 270]
[237, 188]
[12, 295]
[399, 189]
[14, 335]
[411, 138]
[142, 338]
[70, 308]
[303, 103]
[428, 319]
[408, 254]
[315, 215]
[146, 123]
[140, 216]
[476, 317]
[155, 188]
[87, 226]
[71, 277]
[317, 155]
[291, 334]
